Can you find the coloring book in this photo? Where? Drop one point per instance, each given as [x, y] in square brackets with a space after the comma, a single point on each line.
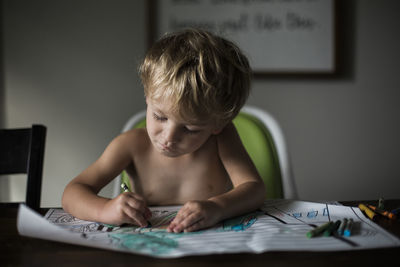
[279, 225]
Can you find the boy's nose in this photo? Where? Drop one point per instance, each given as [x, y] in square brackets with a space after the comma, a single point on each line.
[171, 136]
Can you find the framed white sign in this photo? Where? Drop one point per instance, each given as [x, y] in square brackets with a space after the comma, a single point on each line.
[278, 36]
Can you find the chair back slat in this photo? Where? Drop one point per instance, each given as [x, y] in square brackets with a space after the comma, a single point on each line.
[22, 151]
[14, 150]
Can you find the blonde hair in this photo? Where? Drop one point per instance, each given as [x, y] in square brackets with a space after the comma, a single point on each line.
[203, 75]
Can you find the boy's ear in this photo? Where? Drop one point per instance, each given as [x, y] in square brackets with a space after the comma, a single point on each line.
[218, 130]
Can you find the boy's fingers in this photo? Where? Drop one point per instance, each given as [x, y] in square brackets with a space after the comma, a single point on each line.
[138, 205]
[172, 225]
[138, 197]
[135, 216]
[194, 227]
[183, 213]
[185, 218]
[134, 196]
[135, 206]
[190, 220]
[148, 214]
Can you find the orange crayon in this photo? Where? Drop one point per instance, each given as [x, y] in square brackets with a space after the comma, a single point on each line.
[383, 212]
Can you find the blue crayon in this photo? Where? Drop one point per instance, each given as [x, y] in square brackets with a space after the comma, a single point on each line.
[349, 227]
[396, 211]
[342, 226]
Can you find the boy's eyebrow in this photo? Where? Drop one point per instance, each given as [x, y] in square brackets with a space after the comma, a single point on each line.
[158, 111]
[200, 124]
[188, 123]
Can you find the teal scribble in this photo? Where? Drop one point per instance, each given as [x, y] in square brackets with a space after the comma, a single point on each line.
[240, 223]
[148, 240]
[159, 242]
[297, 215]
[312, 214]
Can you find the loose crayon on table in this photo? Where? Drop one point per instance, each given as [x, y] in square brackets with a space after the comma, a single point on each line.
[318, 230]
[396, 211]
[385, 213]
[342, 226]
[349, 227]
[381, 204]
[370, 213]
[332, 228]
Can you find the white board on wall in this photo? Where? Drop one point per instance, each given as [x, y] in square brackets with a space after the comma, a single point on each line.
[278, 36]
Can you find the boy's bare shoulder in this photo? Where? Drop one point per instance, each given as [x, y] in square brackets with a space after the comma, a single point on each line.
[229, 140]
[137, 139]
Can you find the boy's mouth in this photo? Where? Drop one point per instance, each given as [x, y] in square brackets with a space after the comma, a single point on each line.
[166, 148]
[169, 151]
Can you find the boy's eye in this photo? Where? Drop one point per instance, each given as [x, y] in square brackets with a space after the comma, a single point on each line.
[159, 118]
[188, 131]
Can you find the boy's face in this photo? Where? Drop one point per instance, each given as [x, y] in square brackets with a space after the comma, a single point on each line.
[171, 135]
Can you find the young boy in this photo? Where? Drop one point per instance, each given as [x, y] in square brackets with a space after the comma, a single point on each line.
[195, 83]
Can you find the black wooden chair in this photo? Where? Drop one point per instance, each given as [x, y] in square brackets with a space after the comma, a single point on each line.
[22, 151]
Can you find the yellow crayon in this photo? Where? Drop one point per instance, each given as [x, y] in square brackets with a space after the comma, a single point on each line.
[370, 213]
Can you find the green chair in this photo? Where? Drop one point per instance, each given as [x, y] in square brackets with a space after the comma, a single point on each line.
[263, 140]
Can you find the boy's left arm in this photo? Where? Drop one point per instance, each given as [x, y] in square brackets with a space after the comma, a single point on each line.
[248, 191]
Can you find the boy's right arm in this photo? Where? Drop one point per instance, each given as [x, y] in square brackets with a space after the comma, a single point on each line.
[80, 195]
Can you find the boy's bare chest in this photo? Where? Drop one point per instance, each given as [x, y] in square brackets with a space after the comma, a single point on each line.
[168, 182]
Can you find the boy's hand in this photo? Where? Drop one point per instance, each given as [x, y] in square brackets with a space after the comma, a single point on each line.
[128, 208]
[195, 215]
